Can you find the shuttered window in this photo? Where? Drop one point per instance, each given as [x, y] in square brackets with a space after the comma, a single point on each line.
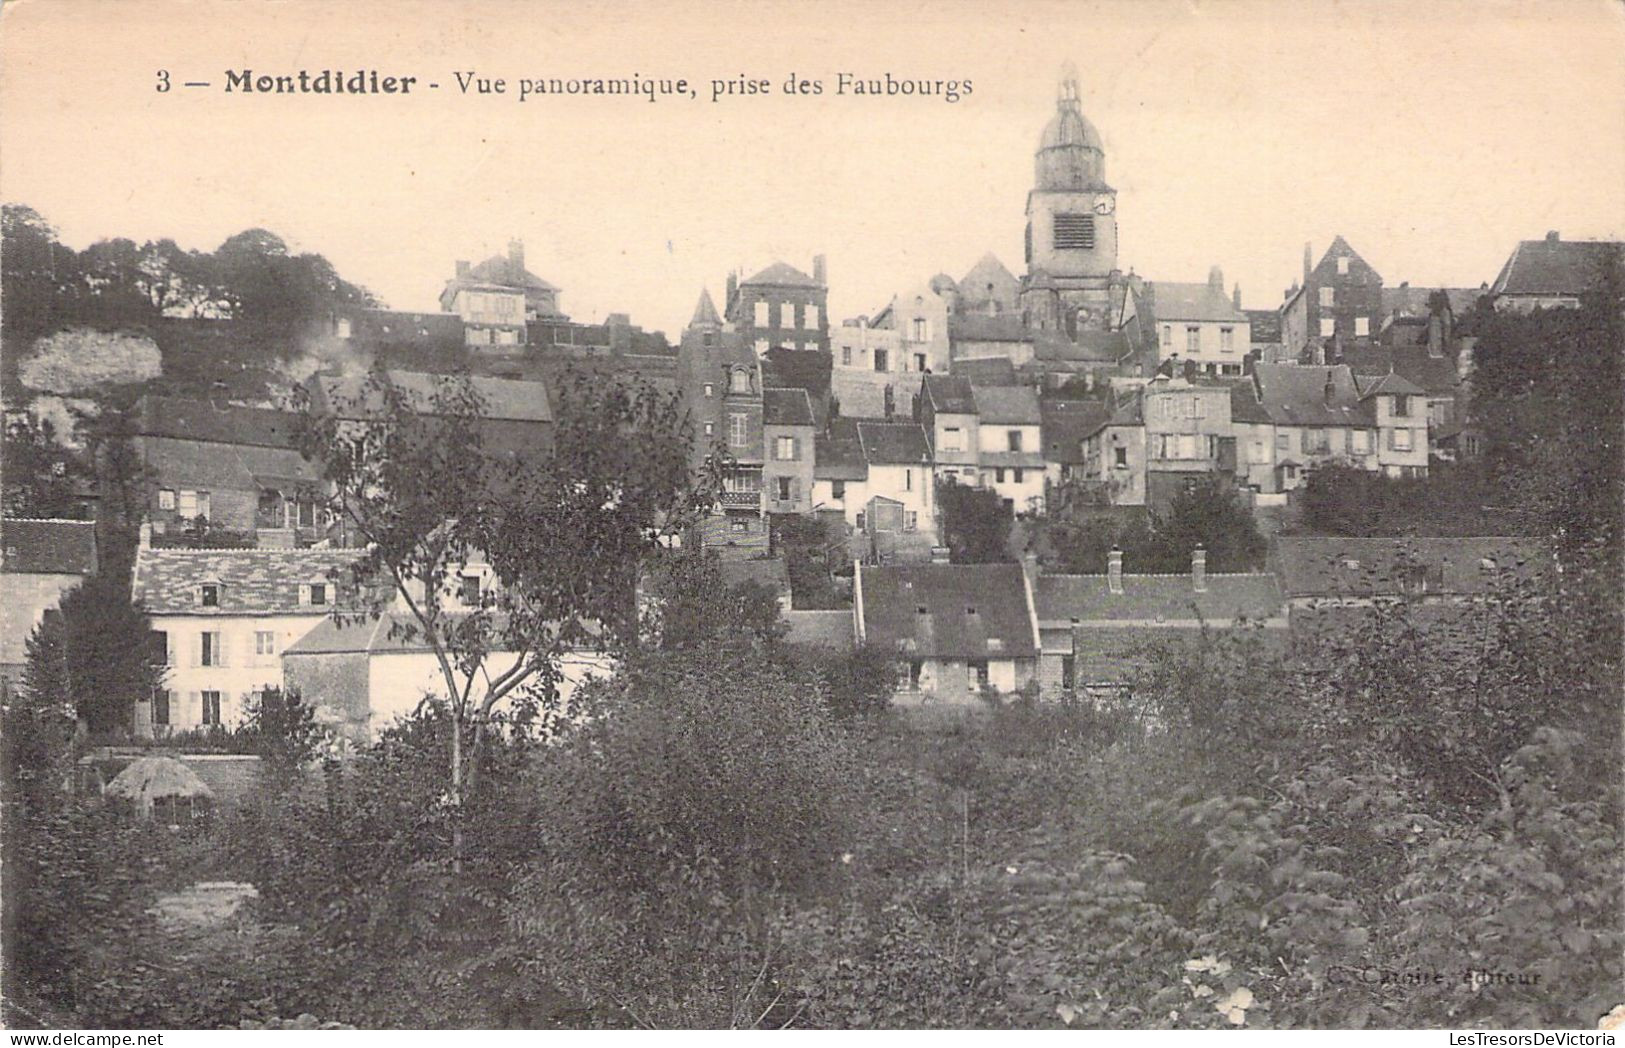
[1074, 232]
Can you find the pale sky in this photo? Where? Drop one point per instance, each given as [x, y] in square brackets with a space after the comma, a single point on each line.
[1432, 136]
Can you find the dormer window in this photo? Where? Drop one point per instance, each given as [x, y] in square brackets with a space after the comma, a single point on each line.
[741, 381]
[316, 594]
[710, 390]
[209, 595]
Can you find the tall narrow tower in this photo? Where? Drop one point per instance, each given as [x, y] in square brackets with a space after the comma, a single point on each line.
[1071, 222]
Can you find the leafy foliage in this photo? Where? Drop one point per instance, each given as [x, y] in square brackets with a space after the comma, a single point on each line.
[975, 524]
[93, 657]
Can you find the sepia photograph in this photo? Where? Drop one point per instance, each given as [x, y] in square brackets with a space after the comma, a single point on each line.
[713, 515]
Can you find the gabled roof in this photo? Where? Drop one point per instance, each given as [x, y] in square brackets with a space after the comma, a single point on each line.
[235, 467]
[174, 417]
[1067, 423]
[1557, 267]
[985, 371]
[1336, 567]
[503, 271]
[1008, 405]
[1172, 302]
[838, 454]
[47, 547]
[786, 407]
[252, 581]
[781, 274]
[893, 443]
[503, 398]
[1304, 395]
[1255, 596]
[1435, 375]
[1339, 247]
[971, 611]
[950, 394]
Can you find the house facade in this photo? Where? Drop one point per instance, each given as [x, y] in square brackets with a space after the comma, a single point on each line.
[1200, 324]
[1188, 437]
[788, 441]
[948, 413]
[919, 316]
[40, 560]
[781, 307]
[1554, 273]
[1011, 446]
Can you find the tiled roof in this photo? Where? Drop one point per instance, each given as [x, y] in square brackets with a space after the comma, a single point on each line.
[1303, 395]
[504, 398]
[781, 274]
[894, 443]
[1173, 302]
[252, 581]
[987, 270]
[47, 547]
[1008, 405]
[786, 407]
[771, 572]
[1013, 459]
[1086, 598]
[203, 420]
[838, 454]
[1067, 423]
[360, 634]
[1557, 267]
[976, 611]
[1330, 567]
[950, 394]
[985, 371]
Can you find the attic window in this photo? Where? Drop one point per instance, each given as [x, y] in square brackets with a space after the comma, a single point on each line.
[1351, 564]
[995, 644]
[921, 609]
[1074, 232]
[209, 594]
[970, 609]
[317, 593]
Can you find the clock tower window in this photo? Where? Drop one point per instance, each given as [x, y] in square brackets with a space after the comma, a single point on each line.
[1074, 232]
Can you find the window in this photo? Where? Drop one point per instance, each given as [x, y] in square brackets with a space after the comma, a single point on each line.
[210, 652]
[158, 647]
[1016, 475]
[264, 642]
[187, 506]
[761, 314]
[1069, 675]
[1193, 340]
[739, 381]
[914, 668]
[919, 362]
[469, 590]
[837, 490]
[166, 498]
[1399, 439]
[785, 493]
[846, 355]
[1014, 438]
[343, 327]
[1359, 442]
[318, 593]
[1120, 458]
[1314, 440]
[160, 708]
[736, 526]
[1283, 441]
[1167, 336]
[1074, 232]
[710, 390]
[710, 429]
[736, 430]
[1342, 265]
[1328, 327]
[908, 480]
[1227, 340]
[209, 595]
[1402, 405]
[911, 520]
[880, 360]
[919, 329]
[1362, 327]
[507, 338]
[1327, 297]
[784, 449]
[998, 475]
[953, 439]
[211, 708]
[307, 514]
[976, 673]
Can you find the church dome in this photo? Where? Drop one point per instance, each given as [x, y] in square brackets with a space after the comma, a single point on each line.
[1069, 127]
[1070, 154]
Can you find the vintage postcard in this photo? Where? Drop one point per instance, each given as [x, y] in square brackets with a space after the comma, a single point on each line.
[858, 516]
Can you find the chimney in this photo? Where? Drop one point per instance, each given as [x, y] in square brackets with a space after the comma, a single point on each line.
[516, 256]
[819, 275]
[1199, 569]
[1551, 236]
[1331, 388]
[145, 541]
[1114, 570]
[1235, 297]
[462, 267]
[1215, 279]
[1308, 263]
[733, 292]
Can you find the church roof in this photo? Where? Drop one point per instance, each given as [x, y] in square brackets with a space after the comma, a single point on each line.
[782, 274]
[987, 270]
[705, 312]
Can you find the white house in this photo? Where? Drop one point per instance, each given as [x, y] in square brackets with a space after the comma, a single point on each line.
[1011, 439]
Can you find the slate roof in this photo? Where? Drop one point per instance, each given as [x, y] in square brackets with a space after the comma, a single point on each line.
[892, 621]
[504, 398]
[705, 312]
[1008, 405]
[1244, 404]
[781, 274]
[1172, 302]
[1115, 655]
[1295, 395]
[1329, 567]
[987, 270]
[1406, 300]
[950, 394]
[1265, 324]
[985, 371]
[502, 271]
[47, 547]
[893, 443]
[180, 419]
[786, 407]
[186, 463]
[1557, 267]
[820, 629]
[252, 581]
[1435, 375]
[1087, 598]
[838, 454]
[1067, 423]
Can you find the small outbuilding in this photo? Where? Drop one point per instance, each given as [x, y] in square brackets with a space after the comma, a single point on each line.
[160, 785]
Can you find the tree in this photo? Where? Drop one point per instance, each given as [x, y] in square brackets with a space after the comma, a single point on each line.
[566, 533]
[1209, 514]
[691, 605]
[285, 733]
[975, 524]
[94, 656]
[43, 477]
